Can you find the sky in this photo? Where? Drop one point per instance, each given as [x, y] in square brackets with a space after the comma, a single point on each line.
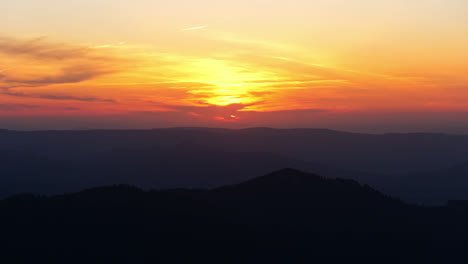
[356, 65]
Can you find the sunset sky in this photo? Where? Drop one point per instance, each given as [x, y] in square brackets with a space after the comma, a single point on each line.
[358, 65]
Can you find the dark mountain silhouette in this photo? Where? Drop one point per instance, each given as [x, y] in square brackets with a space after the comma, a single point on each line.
[284, 217]
[188, 166]
[193, 166]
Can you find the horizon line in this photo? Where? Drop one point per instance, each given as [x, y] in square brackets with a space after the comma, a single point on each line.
[223, 128]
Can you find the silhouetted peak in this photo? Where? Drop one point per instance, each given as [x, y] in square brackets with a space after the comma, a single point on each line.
[287, 176]
[22, 197]
[285, 180]
[289, 171]
[120, 188]
[115, 193]
[291, 186]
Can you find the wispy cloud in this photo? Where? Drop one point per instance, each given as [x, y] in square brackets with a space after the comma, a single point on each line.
[72, 74]
[31, 67]
[194, 28]
[14, 107]
[58, 97]
[41, 63]
[229, 116]
[21, 107]
[38, 48]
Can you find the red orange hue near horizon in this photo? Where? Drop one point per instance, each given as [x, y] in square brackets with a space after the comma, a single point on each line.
[259, 58]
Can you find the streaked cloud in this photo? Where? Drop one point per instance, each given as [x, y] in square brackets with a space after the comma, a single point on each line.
[38, 62]
[194, 28]
[69, 74]
[14, 107]
[58, 97]
[39, 48]
[29, 107]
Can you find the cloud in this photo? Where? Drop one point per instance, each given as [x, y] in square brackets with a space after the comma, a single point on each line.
[72, 74]
[71, 108]
[59, 97]
[19, 107]
[194, 114]
[233, 112]
[194, 28]
[37, 63]
[227, 116]
[39, 49]
[202, 109]
[15, 107]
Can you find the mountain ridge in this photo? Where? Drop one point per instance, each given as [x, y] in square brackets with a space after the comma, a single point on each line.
[249, 221]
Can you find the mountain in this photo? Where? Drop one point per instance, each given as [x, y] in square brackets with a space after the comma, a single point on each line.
[284, 216]
[154, 168]
[192, 166]
[389, 153]
[419, 168]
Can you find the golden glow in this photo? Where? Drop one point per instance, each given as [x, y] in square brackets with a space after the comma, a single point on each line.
[325, 56]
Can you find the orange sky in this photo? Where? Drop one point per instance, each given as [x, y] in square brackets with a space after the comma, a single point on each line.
[239, 62]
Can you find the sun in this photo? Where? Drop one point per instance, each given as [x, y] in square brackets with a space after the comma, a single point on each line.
[225, 100]
[229, 94]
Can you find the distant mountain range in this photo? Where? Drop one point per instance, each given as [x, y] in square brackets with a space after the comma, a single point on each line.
[420, 168]
[389, 153]
[283, 217]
